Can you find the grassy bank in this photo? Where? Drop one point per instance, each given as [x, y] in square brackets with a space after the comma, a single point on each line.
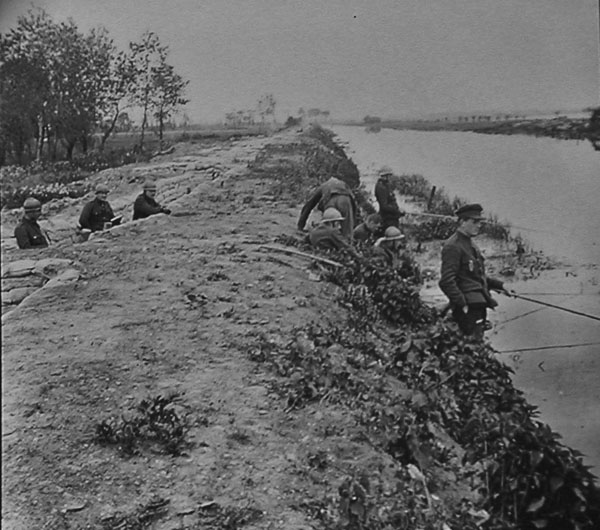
[433, 400]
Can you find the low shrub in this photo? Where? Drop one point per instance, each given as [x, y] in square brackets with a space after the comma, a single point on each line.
[156, 421]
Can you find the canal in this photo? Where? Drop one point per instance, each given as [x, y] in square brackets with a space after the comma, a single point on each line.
[549, 191]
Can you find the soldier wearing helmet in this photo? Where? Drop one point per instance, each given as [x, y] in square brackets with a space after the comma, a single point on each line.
[388, 249]
[328, 233]
[332, 194]
[97, 214]
[145, 205]
[386, 198]
[28, 232]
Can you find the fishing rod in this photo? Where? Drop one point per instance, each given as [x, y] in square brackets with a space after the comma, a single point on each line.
[593, 317]
[555, 347]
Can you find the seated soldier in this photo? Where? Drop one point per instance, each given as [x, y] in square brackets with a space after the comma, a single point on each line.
[388, 248]
[328, 233]
[145, 205]
[97, 214]
[370, 230]
[28, 232]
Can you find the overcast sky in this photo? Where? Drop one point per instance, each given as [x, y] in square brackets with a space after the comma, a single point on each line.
[358, 57]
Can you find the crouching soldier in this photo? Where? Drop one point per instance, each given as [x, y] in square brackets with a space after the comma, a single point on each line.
[387, 249]
[145, 205]
[335, 194]
[463, 279]
[369, 230]
[97, 214]
[28, 232]
[328, 233]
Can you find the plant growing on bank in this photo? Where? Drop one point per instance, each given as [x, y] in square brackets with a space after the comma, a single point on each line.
[156, 422]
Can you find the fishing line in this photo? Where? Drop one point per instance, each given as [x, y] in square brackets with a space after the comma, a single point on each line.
[555, 347]
[580, 313]
[562, 294]
[501, 324]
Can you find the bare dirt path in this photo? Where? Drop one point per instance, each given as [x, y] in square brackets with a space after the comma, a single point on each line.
[166, 305]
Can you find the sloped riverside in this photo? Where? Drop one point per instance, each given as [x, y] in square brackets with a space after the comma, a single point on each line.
[191, 378]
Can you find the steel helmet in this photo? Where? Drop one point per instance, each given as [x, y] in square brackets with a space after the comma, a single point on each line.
[31, 205]
[149, 185]
[392, 233]
[331, 215]
[102, 188]
[385, 170]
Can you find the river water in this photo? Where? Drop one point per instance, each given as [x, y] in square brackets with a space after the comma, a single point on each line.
[549, 191]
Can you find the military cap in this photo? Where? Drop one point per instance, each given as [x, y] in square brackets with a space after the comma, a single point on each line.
[149, 185]
[470, 211]
[102, 188]
[385, 170]
[31, 205]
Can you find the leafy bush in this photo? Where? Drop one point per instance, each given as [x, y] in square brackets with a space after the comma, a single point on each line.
[156, 421]
[14, 197]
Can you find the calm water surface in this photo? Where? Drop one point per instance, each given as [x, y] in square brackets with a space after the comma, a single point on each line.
[548, 188]
[551, 190]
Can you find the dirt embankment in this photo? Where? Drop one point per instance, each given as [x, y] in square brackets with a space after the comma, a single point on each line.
[164, 305]
[274, 413]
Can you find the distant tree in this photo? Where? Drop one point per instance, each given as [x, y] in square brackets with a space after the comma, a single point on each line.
[370, 119]
[185, 121]
[123, 123]
[166, 94]
[146, 57]
[64, 71]
[118, 85]
[266, 107]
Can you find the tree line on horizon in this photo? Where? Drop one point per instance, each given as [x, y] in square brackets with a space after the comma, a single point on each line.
[60, 86]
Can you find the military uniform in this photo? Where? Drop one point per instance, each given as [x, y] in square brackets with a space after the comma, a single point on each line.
[95, 213]
[29, 234]
[464, 282]
[388, 205]
[327, 237]
[332, 194]
[145, 206]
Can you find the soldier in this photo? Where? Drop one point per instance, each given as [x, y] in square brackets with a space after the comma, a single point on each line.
[28, 231]
[145, 205]
[463, 278]
[332, 194]
[388, 205]
[97, 214]
[327, 234]
[388, 248]
[370, 230]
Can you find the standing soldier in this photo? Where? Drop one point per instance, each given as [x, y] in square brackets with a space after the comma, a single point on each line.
[145, 205]
[28, 232]
[97, 214]
[463, 278]
[388, 205]
[332, 194]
